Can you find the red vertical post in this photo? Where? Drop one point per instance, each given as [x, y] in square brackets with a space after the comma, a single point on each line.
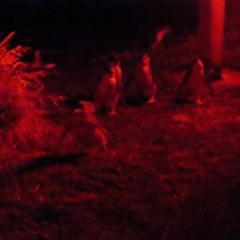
[211, 32]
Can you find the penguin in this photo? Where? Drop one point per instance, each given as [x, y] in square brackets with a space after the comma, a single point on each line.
[114, 63]
[145, 87]
[193, 82]
[109, 90]
[106, 95]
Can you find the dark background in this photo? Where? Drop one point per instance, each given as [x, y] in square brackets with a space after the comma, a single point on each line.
[102, 23]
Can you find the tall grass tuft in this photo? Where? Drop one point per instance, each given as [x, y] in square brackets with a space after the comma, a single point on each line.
[31, 120]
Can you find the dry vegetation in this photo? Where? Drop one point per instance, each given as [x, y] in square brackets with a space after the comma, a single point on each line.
[34, 122]
[171, 171]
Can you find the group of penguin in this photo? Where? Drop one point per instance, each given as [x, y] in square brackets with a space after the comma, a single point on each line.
[110, 89]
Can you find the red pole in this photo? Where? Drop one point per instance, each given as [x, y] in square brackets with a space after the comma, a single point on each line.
[210, 31]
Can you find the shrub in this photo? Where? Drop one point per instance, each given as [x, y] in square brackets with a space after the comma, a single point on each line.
[32, 122]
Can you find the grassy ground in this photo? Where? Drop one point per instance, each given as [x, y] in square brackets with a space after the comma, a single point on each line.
[171, 172]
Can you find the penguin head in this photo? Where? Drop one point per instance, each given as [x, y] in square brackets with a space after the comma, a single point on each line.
[144, 59]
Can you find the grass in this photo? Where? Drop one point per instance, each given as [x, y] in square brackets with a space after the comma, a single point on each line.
[171, 172]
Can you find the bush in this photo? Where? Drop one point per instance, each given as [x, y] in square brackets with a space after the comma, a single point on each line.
[32, 122]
